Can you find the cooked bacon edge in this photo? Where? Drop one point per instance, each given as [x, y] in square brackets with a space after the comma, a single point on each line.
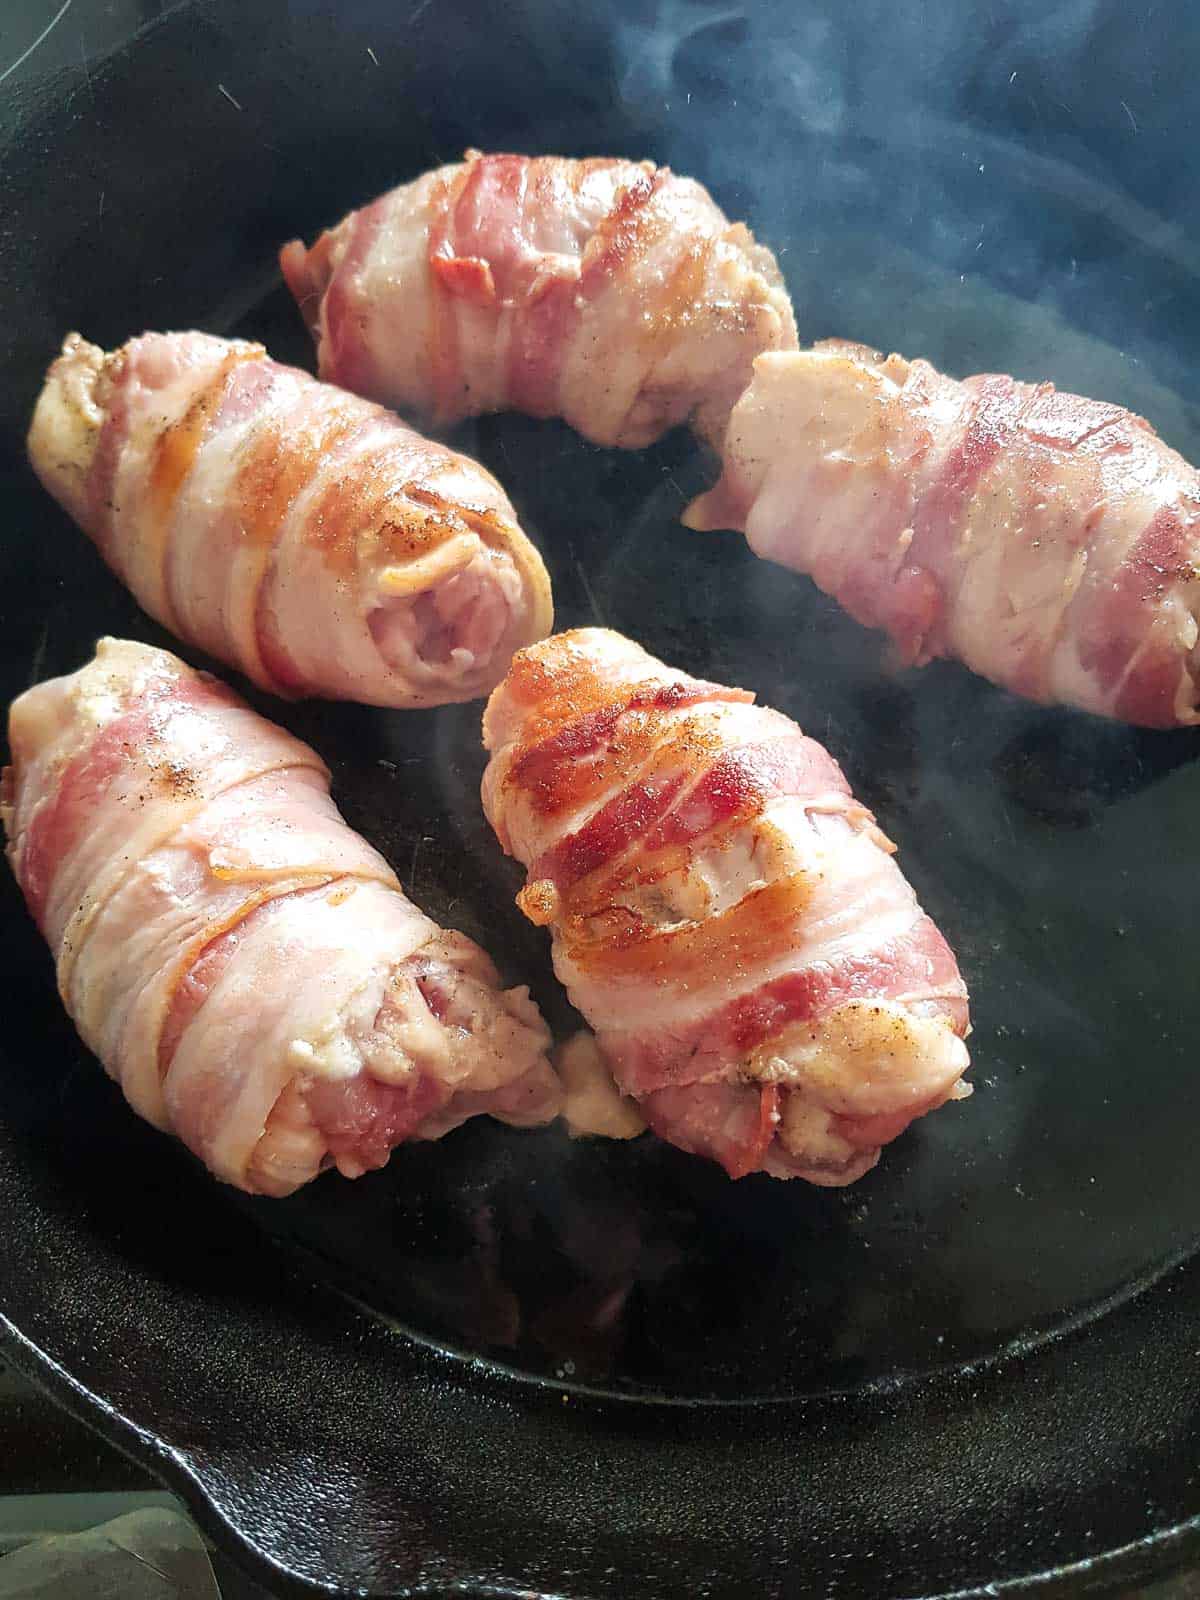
[1050, 542]
[614, 294]
[303, 535]
[725, 914]
[246, 966]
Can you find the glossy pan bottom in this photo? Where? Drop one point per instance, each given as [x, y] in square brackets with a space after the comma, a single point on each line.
[510, 1362]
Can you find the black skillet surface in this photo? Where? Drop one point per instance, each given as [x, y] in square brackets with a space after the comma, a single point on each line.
[510, 1363]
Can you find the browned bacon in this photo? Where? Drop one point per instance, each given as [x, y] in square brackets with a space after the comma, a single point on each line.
[245, 966]
[725, 914]
[611, 293]
[1050, 542]
[297, 532]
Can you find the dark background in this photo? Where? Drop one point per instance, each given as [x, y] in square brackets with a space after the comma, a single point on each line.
[974, 1365]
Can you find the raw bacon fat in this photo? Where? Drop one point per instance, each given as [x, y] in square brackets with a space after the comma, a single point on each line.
[724, 912]
[246, 966]
[1050, 542]
[611, 293]
[300, 534]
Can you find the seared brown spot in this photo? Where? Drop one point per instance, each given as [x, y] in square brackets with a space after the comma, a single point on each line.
[371, 497]
[283, 457]
[601, 748]
[628, 229]
[683, 293]
[621, 944]
[552, 679]
[539, 902]
[491, 527]
[172, 777]
[650, 875]
[574, 711]
[177, 446]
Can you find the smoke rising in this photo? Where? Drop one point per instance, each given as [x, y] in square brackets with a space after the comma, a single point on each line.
[981, 185]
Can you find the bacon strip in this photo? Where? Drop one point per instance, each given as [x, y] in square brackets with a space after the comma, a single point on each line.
[305, 536]
[611, 293]
[245, 966]
[1050, 542]
[726, 915]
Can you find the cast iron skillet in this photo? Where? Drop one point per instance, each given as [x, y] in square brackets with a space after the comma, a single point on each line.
[510, 1363]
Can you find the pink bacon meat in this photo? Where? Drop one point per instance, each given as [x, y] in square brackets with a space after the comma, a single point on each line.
[245, 966]
[1050, 542]
[724, 912]
[611, 293]
[298, 533]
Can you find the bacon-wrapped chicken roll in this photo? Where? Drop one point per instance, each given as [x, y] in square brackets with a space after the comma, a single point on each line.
[302, 535]
[246, 967]
[1050, 542]
[611, 293]
[724, 912]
